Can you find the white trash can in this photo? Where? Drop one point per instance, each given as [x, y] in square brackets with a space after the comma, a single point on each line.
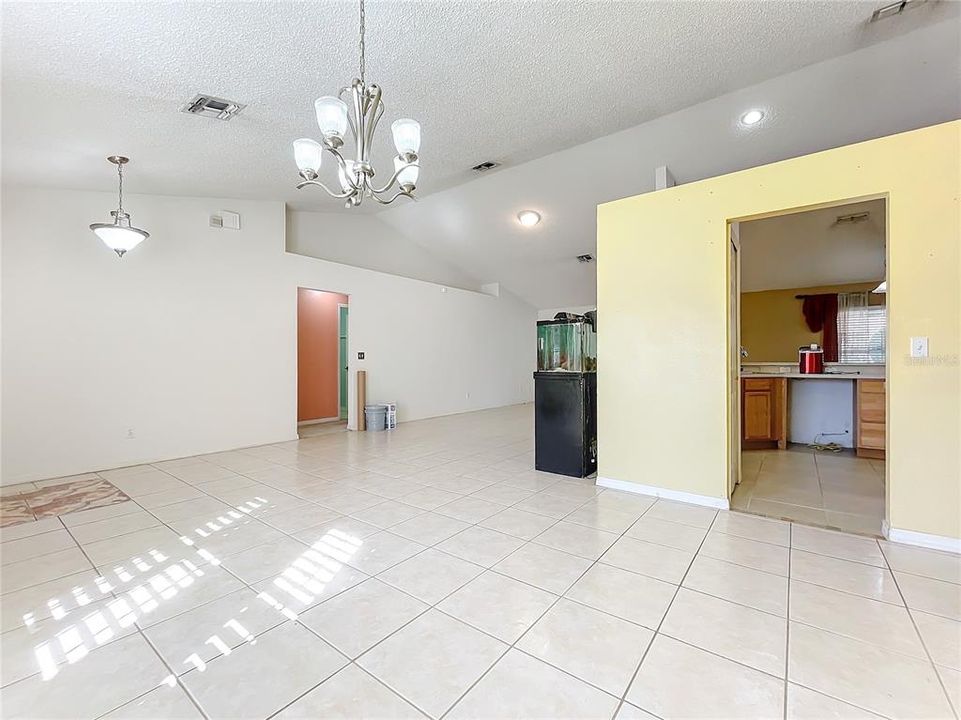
[376, 416]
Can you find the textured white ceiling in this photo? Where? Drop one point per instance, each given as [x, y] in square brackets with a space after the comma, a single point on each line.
[902, 84]
[508, 81]
[809, 249]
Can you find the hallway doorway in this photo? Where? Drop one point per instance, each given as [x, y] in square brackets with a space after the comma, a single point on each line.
[322, 361]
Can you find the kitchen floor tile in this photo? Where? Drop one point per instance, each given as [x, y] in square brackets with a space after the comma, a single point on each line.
[91, 686]
[838, 545]
[667, 533]
[596, 647]
[921, 561]
[638, 598]
[520, 686]
[498, 605]
[263, 561]
[383, 550]
[480, 545]
[942, 638]
[35, 547]
[170, 703]
[543, 567]
[656, 561]
[931, 596]
[407, 660]
[734, 631]
[739, 584]
[357, 619]
[431, 575]
[287, 661]
[724, 689]
[856, 617]
[752, 527]
[694, 515]
[197, 636]
[519, 523]
[749, 553]
[867, 580]
[348, 695]
[429, 528]
[805, 704]
[19, 575]
[585, 542]
[895, 686]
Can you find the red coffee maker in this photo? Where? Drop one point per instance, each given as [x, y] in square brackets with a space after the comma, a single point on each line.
[811, 359]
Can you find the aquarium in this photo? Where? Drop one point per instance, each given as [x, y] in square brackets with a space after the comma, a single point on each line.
[567, 345]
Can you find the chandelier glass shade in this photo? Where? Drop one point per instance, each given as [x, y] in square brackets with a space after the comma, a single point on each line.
[358, 108]
[119, 235]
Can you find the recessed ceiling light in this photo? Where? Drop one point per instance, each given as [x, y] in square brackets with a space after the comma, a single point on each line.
[752, 117]
[528, 218]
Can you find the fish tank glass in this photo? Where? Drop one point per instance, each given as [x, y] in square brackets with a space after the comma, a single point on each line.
[566, 345]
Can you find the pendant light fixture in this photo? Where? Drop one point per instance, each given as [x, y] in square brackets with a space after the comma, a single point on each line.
[360, 115]
[119, 235]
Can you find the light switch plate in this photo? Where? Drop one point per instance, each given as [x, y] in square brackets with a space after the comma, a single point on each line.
[919, 347]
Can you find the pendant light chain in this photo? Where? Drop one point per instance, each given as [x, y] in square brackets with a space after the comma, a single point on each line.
[363, 61]
[120, 184]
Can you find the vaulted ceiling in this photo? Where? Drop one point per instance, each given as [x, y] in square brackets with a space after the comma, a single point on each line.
[526, 84]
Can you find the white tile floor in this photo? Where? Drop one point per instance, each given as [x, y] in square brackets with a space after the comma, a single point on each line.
[838, 491]
[431, 572]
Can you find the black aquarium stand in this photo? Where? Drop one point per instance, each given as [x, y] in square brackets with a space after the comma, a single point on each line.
[565, 422]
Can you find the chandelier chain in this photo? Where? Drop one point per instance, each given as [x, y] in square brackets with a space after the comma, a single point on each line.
[363, 61]
[120, 187]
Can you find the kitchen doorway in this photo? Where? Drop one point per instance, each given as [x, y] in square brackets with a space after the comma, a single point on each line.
[807, 334]
[322, 353]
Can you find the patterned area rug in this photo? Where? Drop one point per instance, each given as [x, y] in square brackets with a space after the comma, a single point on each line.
[58, 499]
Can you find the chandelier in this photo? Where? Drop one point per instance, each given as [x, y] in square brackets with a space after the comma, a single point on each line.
[119, 235]
[361, 114]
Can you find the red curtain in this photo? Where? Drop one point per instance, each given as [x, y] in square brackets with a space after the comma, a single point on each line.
[821, 315]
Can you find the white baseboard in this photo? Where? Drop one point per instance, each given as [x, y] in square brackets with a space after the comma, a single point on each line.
[934, 542]
[637, 488]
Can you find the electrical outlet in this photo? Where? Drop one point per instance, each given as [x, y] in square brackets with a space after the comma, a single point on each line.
[919, 347]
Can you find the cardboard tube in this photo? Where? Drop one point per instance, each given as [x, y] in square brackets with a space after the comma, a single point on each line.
[361, 400]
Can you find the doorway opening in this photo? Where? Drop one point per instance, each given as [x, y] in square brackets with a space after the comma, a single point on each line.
[322, 367]
[808, 380]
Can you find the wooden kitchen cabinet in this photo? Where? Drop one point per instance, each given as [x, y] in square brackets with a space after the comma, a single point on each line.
[871, 425]
[763, 413]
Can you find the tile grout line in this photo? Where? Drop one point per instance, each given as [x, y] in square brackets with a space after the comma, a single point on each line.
[787, 622]
[559, 597]
[667, 610]
[917, 631]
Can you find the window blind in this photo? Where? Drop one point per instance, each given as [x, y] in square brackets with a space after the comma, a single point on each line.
[862, 329]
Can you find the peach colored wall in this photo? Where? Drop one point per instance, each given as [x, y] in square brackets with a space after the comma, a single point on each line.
[317, 382]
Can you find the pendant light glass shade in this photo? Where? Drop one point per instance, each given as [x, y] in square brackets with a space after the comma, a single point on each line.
[331, 116]
[344, 182]
[308, 155]
[406, 135]
[407, 176]
[119, 235]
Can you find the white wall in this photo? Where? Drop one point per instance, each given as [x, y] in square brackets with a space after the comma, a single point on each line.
[365, 241]
[190, 339]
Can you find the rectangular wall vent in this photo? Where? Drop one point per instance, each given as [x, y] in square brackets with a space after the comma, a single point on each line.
[585, 258]
[212, 107]
[485, 166]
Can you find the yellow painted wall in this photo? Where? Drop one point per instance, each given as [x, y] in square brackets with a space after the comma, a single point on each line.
[773, 327]
[663, 293]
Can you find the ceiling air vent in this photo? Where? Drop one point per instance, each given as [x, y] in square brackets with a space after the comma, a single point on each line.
[485, 166]
[585, 258]
[212, 107]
